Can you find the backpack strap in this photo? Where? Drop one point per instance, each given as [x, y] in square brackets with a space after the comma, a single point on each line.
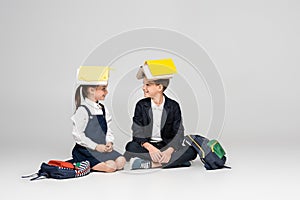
[208, 167]
[32, 176]
[227, 167]
[36, 176]
[200, 148]
[39, 177]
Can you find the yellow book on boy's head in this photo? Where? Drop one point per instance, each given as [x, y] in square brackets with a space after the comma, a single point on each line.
[93, 75]
[157, 69]
[161, 67]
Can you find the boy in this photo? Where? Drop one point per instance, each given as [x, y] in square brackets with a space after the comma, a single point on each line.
[157, 124]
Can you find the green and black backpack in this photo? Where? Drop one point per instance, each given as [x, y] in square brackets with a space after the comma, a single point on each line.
[210, 152]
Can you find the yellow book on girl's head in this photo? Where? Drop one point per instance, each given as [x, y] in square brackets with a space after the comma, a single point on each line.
[89, 75]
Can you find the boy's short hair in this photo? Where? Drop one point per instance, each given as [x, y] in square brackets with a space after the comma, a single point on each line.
[163, 82]
[157, 71]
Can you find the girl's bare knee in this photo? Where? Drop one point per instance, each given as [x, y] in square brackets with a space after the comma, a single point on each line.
[108, 166]
[120, 162]
[111, 164]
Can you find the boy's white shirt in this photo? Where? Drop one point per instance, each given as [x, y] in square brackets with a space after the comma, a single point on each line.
[80, 120]
[157, 114]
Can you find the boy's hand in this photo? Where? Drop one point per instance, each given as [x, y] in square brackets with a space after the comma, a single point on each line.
[166, 155]
[155, 155]
[154, 152]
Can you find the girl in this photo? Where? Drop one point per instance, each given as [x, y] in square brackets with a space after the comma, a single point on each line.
[91, 122]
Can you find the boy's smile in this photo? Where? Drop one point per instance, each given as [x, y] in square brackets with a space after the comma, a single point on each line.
[150, 89]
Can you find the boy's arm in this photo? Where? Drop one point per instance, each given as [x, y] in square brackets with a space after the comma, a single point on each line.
[138, 128]
[154, 152]
[178, 129]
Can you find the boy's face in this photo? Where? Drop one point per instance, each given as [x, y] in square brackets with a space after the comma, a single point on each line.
[151, 89]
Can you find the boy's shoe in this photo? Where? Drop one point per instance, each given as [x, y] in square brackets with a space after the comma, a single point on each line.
[138, 163]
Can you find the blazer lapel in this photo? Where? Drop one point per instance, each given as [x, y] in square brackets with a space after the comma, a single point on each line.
[165, 112]
[149, 114]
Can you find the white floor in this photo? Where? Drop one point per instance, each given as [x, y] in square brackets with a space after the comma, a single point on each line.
[263, 173]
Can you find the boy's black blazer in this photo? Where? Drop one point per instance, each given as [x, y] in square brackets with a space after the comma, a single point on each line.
[172, 130]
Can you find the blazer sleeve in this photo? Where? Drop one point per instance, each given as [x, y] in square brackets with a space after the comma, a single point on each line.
[139, 130]
[177, 128]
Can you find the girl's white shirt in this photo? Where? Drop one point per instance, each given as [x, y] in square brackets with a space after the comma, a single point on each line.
[80, 120]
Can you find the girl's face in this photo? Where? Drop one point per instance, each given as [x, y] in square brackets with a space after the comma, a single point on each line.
[151, 89]
[100, 92]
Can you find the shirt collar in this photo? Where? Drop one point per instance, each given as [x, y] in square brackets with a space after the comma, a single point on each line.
[156, 107]
[92, 103]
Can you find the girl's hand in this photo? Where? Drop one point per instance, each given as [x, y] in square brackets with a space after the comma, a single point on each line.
[109, 147]
[100, 147]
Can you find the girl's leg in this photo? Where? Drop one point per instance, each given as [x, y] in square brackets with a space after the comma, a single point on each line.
[120, 162]
[107, 166]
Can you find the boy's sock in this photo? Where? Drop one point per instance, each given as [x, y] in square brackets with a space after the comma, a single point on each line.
[138, 163]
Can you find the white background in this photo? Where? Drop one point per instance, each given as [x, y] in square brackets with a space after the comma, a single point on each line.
[254, 44]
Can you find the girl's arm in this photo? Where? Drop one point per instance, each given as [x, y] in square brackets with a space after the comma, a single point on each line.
[80, 120]
[109, 135]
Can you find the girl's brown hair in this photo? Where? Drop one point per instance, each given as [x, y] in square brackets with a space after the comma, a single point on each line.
[84, 93]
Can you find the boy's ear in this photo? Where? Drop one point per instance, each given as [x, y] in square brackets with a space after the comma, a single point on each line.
[161, 87]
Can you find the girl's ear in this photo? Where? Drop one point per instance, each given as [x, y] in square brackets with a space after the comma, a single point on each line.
[91, 90]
